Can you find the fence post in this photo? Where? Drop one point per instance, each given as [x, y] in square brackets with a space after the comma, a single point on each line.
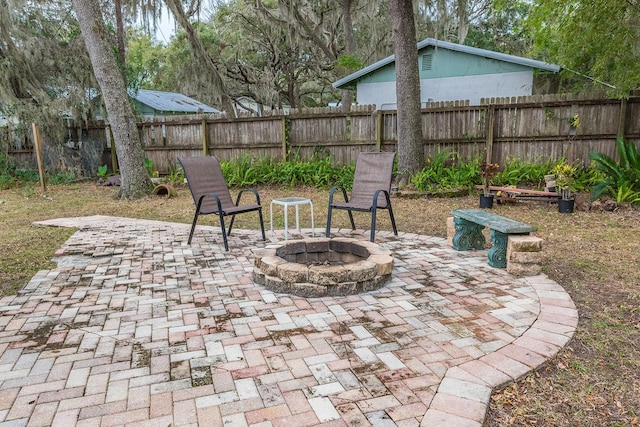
[205, 139]
[285, 136]
[622, 119]
[491, 113]
[379, 130]
[38, 146]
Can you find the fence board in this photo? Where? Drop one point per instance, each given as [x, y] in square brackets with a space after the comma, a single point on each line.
[530, 128]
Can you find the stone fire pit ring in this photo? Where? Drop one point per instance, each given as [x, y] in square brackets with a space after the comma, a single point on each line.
[317, 267]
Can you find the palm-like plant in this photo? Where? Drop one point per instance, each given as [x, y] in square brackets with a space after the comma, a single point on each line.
[620, 179]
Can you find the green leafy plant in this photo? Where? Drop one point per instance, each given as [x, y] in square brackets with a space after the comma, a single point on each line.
[565, 175]
[619, 179]
[444, 171]
[62, 178]
[148, 164]
[103, 171]
[176, 175]
[516, 172]
[574, 120]
[488, 171]
[317, 172]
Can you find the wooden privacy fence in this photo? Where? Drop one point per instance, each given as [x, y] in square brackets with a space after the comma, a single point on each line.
[533, 128]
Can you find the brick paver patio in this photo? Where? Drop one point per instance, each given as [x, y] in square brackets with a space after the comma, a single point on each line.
[137, 328]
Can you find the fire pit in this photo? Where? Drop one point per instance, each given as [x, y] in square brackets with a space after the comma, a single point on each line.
[319, 267]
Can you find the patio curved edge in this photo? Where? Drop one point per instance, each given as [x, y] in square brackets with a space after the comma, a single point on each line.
[463, 396]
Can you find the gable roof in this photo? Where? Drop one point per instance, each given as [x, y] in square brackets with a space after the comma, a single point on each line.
[171, 102]
[352, 78]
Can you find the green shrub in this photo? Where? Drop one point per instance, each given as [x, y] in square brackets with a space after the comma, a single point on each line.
[445, 171]
[176, 174]
[621, 179]
[516, 172]
[61, 178]
[317, 172]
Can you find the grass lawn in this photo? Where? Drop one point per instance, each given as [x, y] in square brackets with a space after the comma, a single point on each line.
[595, 256]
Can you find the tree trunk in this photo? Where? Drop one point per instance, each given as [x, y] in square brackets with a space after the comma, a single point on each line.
[410, 151]
[463, 25]
[135, 181]
[120, 32]
[349, 49]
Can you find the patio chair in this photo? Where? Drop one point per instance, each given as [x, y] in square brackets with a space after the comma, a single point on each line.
[211, 194]
[371, 187]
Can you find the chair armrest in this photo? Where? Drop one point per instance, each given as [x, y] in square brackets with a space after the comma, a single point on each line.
[334, 189]
[374, 202]
[215, 197]
[255, 193]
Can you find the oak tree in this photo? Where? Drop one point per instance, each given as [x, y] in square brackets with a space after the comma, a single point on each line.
[135, 181]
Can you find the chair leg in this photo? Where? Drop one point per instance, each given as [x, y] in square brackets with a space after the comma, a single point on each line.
[393, 220]
[261, 224]
[328, 232]
[233, 218]
[373, 223]
[353, 224]
[193, 227]
[224, 232]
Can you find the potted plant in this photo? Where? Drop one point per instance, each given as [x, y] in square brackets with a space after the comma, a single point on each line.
[488, 172]
[564, 178]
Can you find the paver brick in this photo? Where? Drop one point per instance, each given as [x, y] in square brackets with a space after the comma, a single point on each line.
[157, 332]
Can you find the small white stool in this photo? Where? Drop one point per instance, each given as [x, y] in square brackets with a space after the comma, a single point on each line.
[291, 201]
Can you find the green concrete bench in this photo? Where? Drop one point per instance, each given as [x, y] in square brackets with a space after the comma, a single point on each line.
[469, 224]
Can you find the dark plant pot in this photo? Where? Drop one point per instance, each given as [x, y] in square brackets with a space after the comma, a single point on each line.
[486, 202]
[565, 206]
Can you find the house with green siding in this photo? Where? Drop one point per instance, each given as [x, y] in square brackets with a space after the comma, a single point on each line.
[451, 72]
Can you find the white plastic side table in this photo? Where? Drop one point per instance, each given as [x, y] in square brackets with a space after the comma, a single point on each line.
[291, 201]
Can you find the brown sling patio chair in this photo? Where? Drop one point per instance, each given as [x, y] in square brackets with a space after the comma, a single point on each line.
[371, 187]
[211, 194]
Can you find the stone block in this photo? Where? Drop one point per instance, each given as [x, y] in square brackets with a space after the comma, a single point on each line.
[521, 270]
[276, 284]
[261, 253]
[524, 244]
[310, 290]
[258, 276]
[359, 250]
[349, 258]
[451, 231]
[323, 275]
[376, 283]
[292, 247]
[385, 264]
[374, 249]
[319, 244]
[315, 257]
[361, 271]
[335, 256]
[294, 257]
[269, 264]
[293, 272]
[340, 244]
[346, 288]
[526, 257]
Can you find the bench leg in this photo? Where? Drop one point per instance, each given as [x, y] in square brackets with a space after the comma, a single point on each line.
[498, 253]
[468, 235]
